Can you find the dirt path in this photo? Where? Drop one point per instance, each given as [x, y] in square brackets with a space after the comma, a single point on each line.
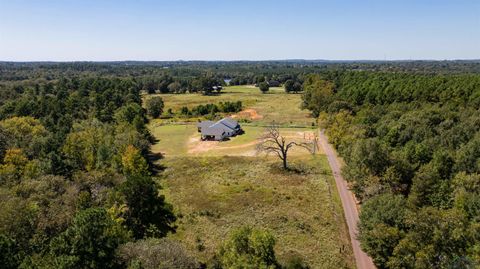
[363, 261]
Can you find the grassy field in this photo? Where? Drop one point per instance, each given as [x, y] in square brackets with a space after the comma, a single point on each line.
[213, 195]
[172, 139]
[181, 140]
[274, 106]
[218, 186]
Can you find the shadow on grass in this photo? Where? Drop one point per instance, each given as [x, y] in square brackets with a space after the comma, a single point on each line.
[293, 168]
[298, 168]
[155, 166]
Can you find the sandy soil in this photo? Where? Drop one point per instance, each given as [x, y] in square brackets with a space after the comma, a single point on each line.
[196, 146]
[250, 114]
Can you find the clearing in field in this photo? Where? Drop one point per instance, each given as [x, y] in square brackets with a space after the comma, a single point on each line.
[180, 140]
[213, 195]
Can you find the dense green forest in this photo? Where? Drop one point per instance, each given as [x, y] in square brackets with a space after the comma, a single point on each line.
[78, 181]
[75, 176]
[411, 143]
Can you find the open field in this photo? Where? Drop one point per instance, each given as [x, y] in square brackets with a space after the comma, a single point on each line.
[213, 195]
[181, 139]
[172, 139]
[274, 106]
[218, 186]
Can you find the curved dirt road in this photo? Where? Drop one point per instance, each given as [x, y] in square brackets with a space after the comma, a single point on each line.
[362, 260]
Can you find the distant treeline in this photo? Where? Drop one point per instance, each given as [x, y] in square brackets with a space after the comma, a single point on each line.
[239, 71]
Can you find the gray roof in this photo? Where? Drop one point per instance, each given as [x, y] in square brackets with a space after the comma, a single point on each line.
[229, 122]
[213, 130]
[205, 124]
[223, 126]
[219, 127]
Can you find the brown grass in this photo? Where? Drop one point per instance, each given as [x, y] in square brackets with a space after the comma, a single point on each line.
[214, 195]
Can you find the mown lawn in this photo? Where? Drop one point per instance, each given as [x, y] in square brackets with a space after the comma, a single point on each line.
[171, 139]
[213, 195]
[274, 106]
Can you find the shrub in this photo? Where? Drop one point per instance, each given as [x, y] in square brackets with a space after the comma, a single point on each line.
[155, 253]
[248, 248]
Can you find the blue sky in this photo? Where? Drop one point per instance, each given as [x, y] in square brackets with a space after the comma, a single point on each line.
[105, 30]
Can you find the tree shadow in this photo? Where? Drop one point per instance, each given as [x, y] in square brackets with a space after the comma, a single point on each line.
[293, 168]
[155, 166]
[213, 94]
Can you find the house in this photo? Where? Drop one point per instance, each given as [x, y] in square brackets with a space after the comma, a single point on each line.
[226, 127]
[204, 124]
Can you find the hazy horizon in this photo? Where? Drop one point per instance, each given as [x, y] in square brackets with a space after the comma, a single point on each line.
[241, 60]
[100, 31]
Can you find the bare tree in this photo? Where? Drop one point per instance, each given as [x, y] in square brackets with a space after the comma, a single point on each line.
[272, 142]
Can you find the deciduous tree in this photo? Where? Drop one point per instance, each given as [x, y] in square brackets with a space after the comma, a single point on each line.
[148, 214]
[288, 85]
[155, 106]
[318, 94]
[273, 142]
[133, 163]
[263, 86]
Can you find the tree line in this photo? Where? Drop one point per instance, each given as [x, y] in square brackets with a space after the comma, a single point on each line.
[241, 70]
[212, 109]
[411, 143]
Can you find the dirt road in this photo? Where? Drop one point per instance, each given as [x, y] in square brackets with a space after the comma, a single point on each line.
[363, 261]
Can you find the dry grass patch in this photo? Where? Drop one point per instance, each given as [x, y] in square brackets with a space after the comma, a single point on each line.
[213, 195]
